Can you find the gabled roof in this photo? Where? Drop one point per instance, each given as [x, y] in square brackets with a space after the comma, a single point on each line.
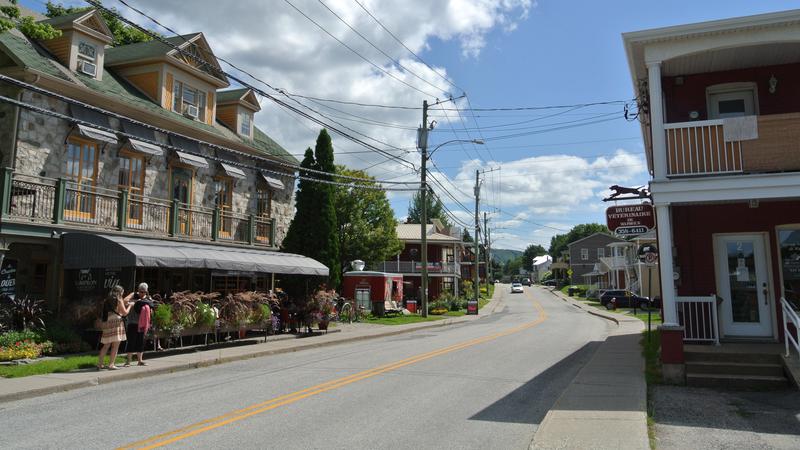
[243, 96]
[31, 57]
[610, 237]
[157, 50]
[89, 22]
[411, 232]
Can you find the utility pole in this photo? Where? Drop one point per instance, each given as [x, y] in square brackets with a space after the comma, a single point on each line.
[423, 186]
[486, 245]
[477, 278]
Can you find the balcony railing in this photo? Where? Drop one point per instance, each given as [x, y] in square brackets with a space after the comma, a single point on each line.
[27, 199]
[416, 267]
[699, 148]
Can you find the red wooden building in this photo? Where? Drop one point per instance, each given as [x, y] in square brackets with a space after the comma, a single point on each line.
[370, 287]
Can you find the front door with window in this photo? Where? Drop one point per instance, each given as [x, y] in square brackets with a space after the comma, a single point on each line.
[743, 283]
[732, 103]
[182, 194]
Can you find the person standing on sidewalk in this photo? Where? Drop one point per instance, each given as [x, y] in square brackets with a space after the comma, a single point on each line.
[114, 309]
[138, 325]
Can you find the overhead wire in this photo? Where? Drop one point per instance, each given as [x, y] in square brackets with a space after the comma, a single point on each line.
[216, 69]
[58, 115]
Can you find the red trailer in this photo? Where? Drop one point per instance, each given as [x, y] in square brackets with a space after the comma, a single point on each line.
[372, 287]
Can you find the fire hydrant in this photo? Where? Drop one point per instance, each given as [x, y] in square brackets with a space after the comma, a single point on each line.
[613, 304]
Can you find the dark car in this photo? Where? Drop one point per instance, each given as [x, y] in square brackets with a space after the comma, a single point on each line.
[627, 299]
[526, 282]
[550, 283]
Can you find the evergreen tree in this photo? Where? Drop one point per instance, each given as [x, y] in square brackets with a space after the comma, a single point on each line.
[531, 252]
[325, 226]
[297, 237]
[435, 209]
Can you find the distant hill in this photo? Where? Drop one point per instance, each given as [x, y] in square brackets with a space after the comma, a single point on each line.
[501, 255]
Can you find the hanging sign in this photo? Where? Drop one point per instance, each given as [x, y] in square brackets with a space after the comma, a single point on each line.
[630, 220]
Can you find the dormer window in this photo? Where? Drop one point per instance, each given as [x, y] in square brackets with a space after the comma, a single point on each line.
[189, 101]
[88, 51]
[246, 122]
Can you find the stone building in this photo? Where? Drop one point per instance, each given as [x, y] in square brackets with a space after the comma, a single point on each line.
[143, 165]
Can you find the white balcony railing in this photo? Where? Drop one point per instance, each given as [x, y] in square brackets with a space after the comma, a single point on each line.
[698, 316]
[416, 267]
[699, 148]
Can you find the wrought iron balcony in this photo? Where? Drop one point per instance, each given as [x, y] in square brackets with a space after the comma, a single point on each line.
[38, 200]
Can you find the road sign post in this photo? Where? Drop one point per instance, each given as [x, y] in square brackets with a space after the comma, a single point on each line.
[648, 254]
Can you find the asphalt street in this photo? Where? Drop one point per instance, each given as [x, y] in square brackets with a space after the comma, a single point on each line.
[482, 384]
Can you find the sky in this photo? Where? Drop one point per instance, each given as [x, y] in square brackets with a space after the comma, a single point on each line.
[544, 167]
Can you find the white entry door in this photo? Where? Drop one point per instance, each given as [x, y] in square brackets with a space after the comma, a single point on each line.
[742, 281]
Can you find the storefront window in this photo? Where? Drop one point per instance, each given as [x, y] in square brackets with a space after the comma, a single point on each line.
[82, 171]
[789, 240]
[223, 187]
[131, 179]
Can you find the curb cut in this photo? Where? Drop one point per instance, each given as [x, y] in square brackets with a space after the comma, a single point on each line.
[21, 395]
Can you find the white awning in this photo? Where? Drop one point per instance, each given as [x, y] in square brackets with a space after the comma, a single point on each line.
[195, 161]
[274, 183]
[85, 250]
[233, 171]
[96, 134]
[145, 147]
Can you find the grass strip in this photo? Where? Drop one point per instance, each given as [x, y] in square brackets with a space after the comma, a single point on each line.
[63, 365]
[401, 320]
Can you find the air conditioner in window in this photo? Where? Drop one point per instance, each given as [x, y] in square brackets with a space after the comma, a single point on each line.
[190, 110]
[87, 68]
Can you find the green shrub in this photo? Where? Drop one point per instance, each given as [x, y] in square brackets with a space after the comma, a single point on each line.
[162, 317]
[12, 337]
[437, 307]
[204, 316]
[65, 338]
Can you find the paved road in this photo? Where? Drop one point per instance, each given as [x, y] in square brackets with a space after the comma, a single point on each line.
[484, 384]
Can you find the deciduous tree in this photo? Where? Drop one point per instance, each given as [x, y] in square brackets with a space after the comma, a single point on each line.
[559, 242]
[366, 225]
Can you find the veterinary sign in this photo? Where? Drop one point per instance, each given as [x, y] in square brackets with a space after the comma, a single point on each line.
[628, 220]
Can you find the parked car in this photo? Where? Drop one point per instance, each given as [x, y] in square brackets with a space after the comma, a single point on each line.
[526, 281]
[627, 299]
[516, 287]
[550, 283]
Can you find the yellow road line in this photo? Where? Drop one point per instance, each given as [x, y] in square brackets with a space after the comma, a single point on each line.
[258, 408]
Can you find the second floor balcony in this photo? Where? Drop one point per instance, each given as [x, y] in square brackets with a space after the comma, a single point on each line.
[415, 267]
[705, 148]
[58, 202]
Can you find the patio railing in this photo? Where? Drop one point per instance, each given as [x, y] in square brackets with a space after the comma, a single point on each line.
[698, 316]
[29, 199]
[699, 148]
[790, 317]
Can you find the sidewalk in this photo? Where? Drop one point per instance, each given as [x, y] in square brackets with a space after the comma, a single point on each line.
[605, 405]
[38, 385]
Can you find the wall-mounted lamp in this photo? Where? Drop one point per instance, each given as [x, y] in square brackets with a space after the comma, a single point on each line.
[773, 84]
[694, 115]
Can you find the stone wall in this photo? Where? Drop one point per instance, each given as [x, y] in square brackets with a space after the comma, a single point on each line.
[8, 117]
[41, 152]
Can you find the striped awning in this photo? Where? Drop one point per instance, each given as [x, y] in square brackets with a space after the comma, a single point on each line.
[233, 171]
[192, 160]
[96, 134]
[145, 147]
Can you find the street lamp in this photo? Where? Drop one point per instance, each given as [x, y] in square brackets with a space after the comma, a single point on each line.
[423, 197]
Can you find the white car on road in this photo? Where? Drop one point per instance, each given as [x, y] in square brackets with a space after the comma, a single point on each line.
[516, 287]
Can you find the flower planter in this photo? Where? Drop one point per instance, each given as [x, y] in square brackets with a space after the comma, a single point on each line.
[323, 325]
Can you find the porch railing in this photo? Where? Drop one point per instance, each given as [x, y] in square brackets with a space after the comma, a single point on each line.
[790, 316]
[29, 199]
[698, 316]
[699, 148]
[416, 267]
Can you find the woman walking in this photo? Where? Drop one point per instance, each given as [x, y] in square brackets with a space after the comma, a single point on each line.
[114, 309]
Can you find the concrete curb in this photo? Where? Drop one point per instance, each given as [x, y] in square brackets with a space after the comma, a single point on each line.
[588, 309]
[180, 367]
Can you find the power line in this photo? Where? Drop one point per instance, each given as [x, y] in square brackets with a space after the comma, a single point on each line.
[384, 71]
[379, 49]
[536, 108]
[48, 112]
[215, 69]
[406, 47]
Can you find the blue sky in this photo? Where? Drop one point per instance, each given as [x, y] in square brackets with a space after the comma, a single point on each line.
[503, 53]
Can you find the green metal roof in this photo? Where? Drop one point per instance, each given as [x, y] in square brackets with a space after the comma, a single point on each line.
[113, 85]
[230, 95]
[143, 50]
[61, 20]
